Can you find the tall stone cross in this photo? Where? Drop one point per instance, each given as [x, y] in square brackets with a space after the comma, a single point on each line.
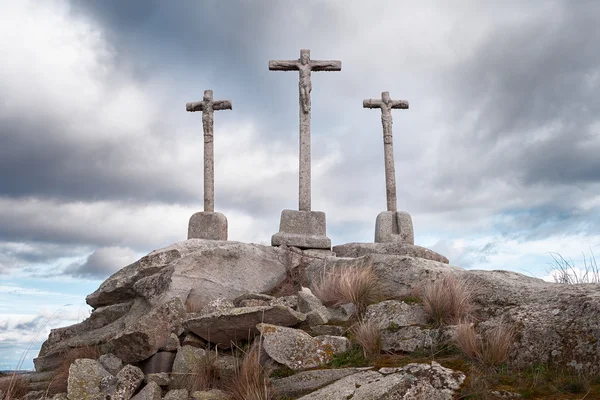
[305, 66]
[208, 106]
[386, 104]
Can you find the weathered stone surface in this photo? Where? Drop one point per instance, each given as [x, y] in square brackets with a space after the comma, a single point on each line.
[187, 359]
[162, 361]
[239, 323]
[172, 343]
[129, 379]
[176, 394]
[394, 227]
[111, 363]
[149, 333]
[316, 312]
[302, 229]
[288, 301]
[307, 381]
[88, 380]
[238, 301]
[160, 378]
[395, 313]
[414, 381]
[150, 392]
[213, 394]
[59, 396]
[208, 225]
[297, 349]
[398, 323]
[217, 305]
[330, 330]
[191, 339]
[353, 250]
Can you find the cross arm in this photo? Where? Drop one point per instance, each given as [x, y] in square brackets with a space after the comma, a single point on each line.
[194, 106]
[283, 65]
[371, 103]
[222, 105]
[326, 65]
[400, 104]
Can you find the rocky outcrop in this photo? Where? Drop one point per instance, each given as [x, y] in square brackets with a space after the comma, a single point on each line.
[155, 320]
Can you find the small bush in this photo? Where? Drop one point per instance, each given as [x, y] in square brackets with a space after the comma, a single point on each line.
[357, 285]
[251, 381]
[366, 333]
[14, 388]
[448, 301]
[491, 349]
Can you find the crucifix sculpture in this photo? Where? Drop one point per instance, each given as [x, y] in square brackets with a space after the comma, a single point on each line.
[391, 226]
[208, 225]
[305, 66]
[303, 228]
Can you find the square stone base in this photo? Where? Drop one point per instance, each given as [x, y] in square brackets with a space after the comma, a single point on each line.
[395, 227]
[303, 229]
[208, 225]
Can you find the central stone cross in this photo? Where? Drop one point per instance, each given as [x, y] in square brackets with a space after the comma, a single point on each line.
[305, 66]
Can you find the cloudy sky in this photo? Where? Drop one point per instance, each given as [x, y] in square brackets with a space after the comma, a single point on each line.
[496, 159]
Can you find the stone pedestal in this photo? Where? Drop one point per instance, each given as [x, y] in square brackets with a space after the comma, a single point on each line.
[302, 229]
[395, 227]
[208, 225]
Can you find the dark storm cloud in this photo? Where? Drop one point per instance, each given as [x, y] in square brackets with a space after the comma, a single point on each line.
[102, 263]
[224, 46]
[528, 100]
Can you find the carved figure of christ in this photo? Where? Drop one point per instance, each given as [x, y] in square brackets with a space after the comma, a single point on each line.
[305, 66]
[208, 106]
[386, 104]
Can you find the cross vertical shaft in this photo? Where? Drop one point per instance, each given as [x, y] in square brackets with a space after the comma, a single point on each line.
[305, 66]
[386, 104]
[208, 106]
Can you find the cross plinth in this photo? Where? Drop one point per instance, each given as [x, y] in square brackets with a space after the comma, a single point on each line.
[391, 225]
[208, 224]
[306, 223]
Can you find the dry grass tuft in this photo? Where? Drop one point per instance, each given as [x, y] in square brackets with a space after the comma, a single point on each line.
[193, 305]
[448, 301]
[491, 349]
[61, 374]
[357, 285]
[13, 388]
[367, 334]
[251, 381]
[204, 375]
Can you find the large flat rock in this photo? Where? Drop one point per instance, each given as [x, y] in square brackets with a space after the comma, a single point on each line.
[354, 250]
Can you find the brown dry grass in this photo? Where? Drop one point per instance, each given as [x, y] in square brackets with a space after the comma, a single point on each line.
[61, 374]
[448, 301]
[368, 336]
[251, 381]
[204, 375]
[13, 388]
[193, 305]
[357, 285]
[491, 349]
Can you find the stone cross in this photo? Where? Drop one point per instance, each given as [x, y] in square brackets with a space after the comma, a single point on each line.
[208, 106]
[305, 65]
[387, 104]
